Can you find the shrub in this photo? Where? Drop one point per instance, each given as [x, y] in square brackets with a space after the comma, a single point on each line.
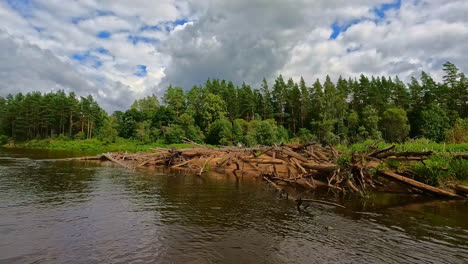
[459, 132]
[3, 140]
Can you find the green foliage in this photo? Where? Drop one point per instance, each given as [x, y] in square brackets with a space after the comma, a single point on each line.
[220, 132]
[434, 123]
[440, 169]
[370, 122]
[459, 133]
[174, 98]
[143, 132]
[3, 140]
[147, 105]
[80, 136]
[173, 134]
[344, 160]
[394, 125]
[344, 112]
[304, 136]
[266, 132]
[109, 132]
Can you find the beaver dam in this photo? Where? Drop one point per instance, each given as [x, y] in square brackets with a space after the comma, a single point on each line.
[309, 166]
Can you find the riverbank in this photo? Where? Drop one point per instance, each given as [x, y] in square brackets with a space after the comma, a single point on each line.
[439, 169]
[94, 146]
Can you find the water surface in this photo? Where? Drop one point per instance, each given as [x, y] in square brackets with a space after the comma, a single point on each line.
[86, 212]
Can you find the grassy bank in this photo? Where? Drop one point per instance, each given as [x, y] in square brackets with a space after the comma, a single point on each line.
[410, 145]
[93, 145]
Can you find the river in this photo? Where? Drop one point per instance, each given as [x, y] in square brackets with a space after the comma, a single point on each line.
[87, 212]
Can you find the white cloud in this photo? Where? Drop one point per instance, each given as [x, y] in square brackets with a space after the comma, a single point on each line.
[234, 40]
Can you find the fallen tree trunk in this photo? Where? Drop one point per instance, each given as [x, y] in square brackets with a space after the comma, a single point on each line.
[308, 165]
[109, 157]
[460, 189]
[300, 200]
[404, 154]
[320, 167]
[461, 155]
[418, 185]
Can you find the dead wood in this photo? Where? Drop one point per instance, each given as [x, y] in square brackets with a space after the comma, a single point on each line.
[461, 155]
[404, 154]
[378, 151]
[418, 185]
[319, 201]
[109, 157]
[308, 165]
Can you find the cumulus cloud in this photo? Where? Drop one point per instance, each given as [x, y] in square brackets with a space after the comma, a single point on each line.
[25, 67]
[101, 47]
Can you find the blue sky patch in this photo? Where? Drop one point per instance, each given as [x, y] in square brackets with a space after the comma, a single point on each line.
[141, 71]
[150, 28]
[23, 7]
[180, 22]
[87, 58]
[104, 34]
[137, 39]
[337, 28]
[380, 11]
[102, 50]
[168, 25]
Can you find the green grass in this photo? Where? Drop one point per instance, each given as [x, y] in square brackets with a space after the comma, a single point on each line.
[441, 169]
[411, 145]
[95, 146]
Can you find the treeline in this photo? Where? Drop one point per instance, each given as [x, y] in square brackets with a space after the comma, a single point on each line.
[218, 112]
[37, 115]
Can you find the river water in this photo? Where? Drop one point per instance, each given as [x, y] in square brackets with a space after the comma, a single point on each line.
[86, 212]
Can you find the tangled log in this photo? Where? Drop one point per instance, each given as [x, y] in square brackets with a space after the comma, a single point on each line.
[308, 165]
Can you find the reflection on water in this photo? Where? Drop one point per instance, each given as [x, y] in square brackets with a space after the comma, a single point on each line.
[85, 212]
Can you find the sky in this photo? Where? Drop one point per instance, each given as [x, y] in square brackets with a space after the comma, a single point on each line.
[120, 50]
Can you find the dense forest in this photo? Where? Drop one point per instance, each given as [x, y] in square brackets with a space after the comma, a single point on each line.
[342, 112]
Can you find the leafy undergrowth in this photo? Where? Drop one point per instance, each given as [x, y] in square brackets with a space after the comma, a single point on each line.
[410, 145]
[441, 169]
[437, 170]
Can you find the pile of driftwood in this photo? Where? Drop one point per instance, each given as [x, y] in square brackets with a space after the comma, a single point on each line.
[308, 165]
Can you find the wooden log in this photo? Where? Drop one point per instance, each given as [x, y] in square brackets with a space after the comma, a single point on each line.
[186, 140]
[182, 163]
[320, 202]
[320, 167]
[294, 154]
[461, 155]
[100, 157]
[352, 186]
[460, 189]
[321, 155]
[406, 158]
[405, 154]
[279, 189]
[202, 170]
[263, 161]
[296, 162]
[378, 151]
[109, 157]
[297, 147]
[418, 185]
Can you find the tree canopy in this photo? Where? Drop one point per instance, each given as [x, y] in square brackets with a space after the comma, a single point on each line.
[218, 112]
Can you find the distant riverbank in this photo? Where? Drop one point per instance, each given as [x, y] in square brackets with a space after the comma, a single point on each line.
[92, 145]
